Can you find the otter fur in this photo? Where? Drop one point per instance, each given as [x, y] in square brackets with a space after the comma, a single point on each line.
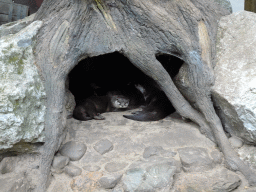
[157, 106]
[93, 106]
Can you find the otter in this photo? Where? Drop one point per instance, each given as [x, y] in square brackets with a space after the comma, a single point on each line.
[157, 105]
[93, 106]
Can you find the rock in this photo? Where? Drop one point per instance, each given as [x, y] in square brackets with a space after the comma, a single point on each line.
[236, 142]
[109, 181]
[115, 166]
[225, 4]
[15, 27]
[152, 150]
[248, 154]
[234, 92]
[72, 170]
[7, 165]
[59, 162]
[195, 159]
[86, 182]
[73, 150]
[23, 97]
[15, 183]
[103, 146]
[149, 176]
[217, 156]
[219, 180]
[91, 168]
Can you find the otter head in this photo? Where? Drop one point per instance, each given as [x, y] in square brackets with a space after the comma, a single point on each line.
[119, 101]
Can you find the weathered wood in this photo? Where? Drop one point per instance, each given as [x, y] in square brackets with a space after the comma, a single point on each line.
[140, 30]
[250, 5]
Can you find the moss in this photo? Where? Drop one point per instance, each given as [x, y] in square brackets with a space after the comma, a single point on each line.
[15, 59]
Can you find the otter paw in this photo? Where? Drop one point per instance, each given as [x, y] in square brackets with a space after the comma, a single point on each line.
[99, 117]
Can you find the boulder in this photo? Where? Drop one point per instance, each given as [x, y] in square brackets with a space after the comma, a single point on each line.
[234, 92]
[22, 94]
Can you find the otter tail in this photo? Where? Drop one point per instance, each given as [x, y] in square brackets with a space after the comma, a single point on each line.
[146, 116]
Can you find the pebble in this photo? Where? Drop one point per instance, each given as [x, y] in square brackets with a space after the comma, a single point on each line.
[7, 165]
[236, 142]
[109, 181]
[74, 150]
[72, 170]
[60, 162]
[103, 146]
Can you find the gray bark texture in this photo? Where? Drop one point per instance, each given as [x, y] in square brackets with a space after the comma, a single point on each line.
[139, 29]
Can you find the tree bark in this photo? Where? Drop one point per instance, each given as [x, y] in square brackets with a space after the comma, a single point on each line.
[139, 29]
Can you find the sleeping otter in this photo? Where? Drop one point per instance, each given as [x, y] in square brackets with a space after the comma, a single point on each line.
[91, 107]
[157, 105]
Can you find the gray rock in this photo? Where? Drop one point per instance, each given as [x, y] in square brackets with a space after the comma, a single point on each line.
[234, 92]
[15, 183]
[115, 166]
[73, 150]
[72, 170]
[7, 165]
[152, 150]
[228, 182]
[236, 142]
[219, 180]
[59, 162]
[103, 146]
[149, 176]
[225, 4]
[15, 27]
[23, 97]
[109, 181]
[217, 156]
[91, 168]
[195, 159]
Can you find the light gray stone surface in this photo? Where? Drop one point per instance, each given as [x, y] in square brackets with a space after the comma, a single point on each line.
[195, 159]
[91, 168]
[103, 146]
[59, 162]
[236, 142]
[115, 166]
[219, 180]
[234, 92]
[109, 181]
[152, 150]
[73, 150]
[7, 165]
[72, 170]
[149, 176]
[225, 4]
[22, 94]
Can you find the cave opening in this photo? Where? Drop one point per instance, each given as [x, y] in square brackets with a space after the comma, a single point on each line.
[97, 76]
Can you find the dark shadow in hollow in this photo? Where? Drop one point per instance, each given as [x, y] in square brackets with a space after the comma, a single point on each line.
[114, 72]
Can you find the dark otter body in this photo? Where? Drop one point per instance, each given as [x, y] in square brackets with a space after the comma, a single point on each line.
[94, 105]
[157, 106]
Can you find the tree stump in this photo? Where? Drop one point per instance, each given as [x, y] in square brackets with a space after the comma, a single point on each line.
[140, 30]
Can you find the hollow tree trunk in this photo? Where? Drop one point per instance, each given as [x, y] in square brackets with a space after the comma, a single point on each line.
[140, 30]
